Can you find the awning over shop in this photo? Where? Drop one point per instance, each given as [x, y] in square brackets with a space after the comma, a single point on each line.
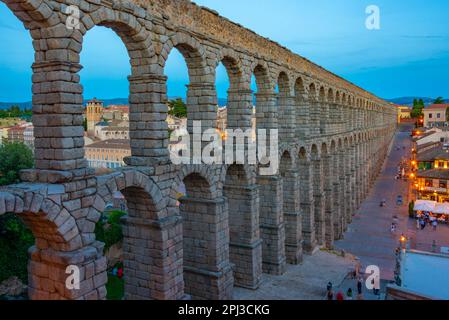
[425, 205]
[441, 208]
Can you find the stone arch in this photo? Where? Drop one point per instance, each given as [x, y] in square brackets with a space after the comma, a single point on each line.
[207, 270]
[201, 94]
[261, 73]
[314, 152]
[337, 97]
[146, 227]
[239, 99]
[58, 242]
[302, 109]
[234, 68]
[330, 97]
[52, 225]
[283, 82]
[208, 173]
[291, 208]
[34, 14]
[328, 162]
[245, 248]
[312, 92]
[322, 94]
[134, 184]
[134, 35]
[306, 199]
[194, 54]
[299, 88]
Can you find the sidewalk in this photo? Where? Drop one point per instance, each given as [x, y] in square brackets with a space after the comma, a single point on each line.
[369, 236]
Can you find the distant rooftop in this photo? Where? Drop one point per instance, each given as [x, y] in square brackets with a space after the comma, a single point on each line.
[95, 100]
[426, 273]
[436, 107]
[435, 153]
[111, 144]
[434, 174]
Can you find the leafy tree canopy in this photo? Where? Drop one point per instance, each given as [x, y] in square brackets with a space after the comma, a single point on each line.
[177, 108]
[15, 112]
[14, 156]
[439, 100]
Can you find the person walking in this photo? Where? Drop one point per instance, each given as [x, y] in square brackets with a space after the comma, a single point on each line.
[434, 224]
[423, 224]
[340, 296]
[349, 294]
[330, 295]
[359, 285]
[418, 223]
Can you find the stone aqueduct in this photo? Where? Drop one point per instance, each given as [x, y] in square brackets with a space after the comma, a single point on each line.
[233, 224]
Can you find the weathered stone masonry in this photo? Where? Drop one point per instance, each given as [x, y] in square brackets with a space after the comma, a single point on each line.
[232, 225]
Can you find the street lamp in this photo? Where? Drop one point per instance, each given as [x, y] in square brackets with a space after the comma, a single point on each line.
[402, 241]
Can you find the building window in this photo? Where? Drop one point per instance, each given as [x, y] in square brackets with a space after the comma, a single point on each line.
[438, 115]
[440, 164]
[430, 116]
[443, 184]
[429, 183]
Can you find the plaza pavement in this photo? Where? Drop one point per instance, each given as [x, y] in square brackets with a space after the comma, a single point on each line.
[369, 236]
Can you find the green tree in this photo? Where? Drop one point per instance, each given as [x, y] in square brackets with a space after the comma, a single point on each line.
[14, 156]
[417, 111]
[439, 100]
[421, 103]
[177, 108]
[15, 239]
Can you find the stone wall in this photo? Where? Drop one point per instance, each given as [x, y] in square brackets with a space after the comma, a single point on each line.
[233, 224]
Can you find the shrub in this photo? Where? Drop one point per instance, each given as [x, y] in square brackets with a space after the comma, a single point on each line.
[14, 156]
[110, 231]
[411, 212]
[15, 240]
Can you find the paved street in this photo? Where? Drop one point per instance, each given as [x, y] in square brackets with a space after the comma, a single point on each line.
[301, 282]
[369, 236]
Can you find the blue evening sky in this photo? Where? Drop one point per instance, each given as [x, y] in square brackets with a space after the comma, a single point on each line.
[408, 56]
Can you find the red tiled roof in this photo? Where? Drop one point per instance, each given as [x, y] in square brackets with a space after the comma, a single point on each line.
[437, 107]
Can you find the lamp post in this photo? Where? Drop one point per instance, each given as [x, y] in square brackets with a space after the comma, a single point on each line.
[402, 242]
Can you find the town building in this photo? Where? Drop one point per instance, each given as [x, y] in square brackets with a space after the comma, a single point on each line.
[115, 129]
[3, 134]
[28, 136]
[108, 154]
[432, 135]
[116, 112]
[175, 123]
[420, 276]
[94, 111]
[22, 132]
[433, 173]
[222, 117]
[435, 115]
[404, 112]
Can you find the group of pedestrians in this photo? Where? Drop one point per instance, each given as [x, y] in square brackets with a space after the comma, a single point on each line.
[358, 276]
[424, 219]
[349, 295]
